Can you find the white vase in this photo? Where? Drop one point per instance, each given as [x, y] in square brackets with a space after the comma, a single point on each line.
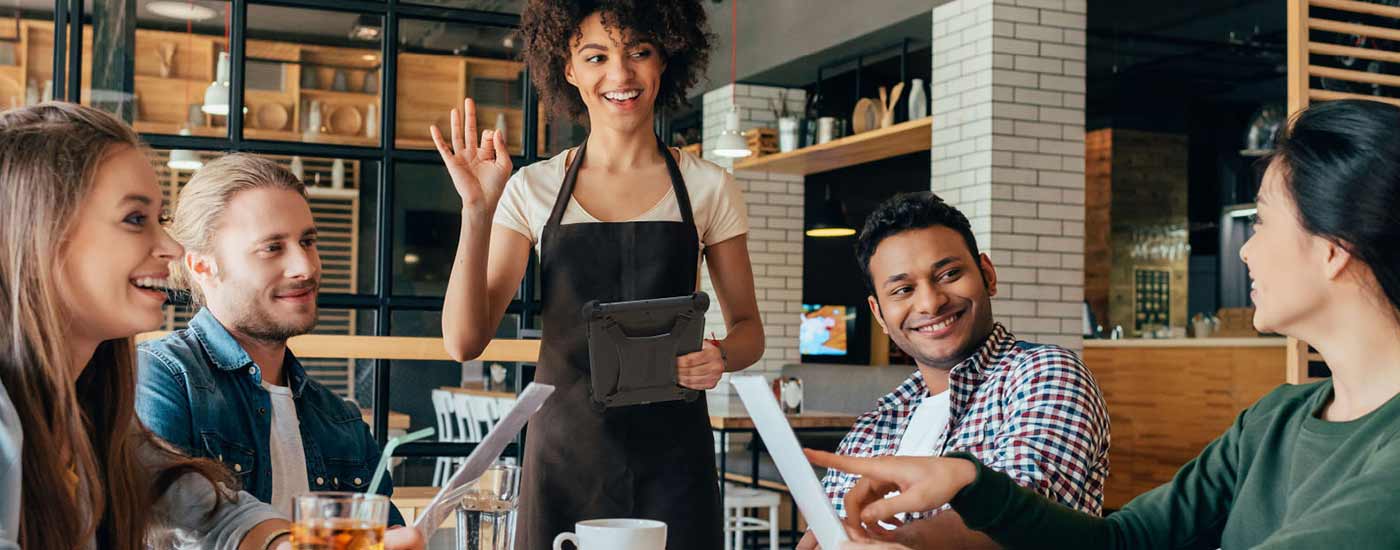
[371, 121]
[298, 169]
[313, 118]
[338, 174]
[918, 100]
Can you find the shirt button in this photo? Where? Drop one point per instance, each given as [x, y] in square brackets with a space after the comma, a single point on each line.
[357, 481]
[262, 410]
[320, 481]
[221, 458]
[237, 467]
[252, 370]
[335, 480]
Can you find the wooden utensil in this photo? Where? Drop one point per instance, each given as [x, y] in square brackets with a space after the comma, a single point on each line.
[887, 104]
[166, 50]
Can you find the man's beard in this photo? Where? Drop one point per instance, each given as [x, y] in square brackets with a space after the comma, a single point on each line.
[259, 324]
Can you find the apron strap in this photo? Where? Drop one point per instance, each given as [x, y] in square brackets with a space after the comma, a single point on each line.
[566, 190]
[678, 183]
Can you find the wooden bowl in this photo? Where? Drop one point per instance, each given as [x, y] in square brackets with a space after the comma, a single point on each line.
[271, 116]
[866, 115]
[346, 120]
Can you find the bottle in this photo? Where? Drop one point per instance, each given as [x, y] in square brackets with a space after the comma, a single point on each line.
[338, 174]
[918, 100]
[298, 169]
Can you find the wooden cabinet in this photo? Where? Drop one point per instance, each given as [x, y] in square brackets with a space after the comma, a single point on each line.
[289, 78]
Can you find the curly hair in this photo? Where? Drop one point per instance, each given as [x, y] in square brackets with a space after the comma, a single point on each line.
[675, 27]
[908, 212]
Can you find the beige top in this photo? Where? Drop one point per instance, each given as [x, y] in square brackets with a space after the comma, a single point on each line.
[715, 199]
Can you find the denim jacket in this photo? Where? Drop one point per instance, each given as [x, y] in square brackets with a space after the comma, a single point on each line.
[199, 390]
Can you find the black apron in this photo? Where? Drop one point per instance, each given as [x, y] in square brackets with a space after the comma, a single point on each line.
[582, 462]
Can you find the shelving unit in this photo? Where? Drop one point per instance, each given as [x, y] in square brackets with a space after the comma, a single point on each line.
[430, 86]
[899, 139]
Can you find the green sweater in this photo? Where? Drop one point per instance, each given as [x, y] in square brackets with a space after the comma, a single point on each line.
[1279, 478]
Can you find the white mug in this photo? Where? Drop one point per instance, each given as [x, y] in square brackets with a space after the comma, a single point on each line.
[826, 129]
[615, 534]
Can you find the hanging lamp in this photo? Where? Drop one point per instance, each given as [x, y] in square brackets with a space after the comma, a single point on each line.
[730, 143]
[185, 159]
[830, 220]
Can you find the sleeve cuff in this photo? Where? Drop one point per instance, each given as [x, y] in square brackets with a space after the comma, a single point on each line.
[982, 503]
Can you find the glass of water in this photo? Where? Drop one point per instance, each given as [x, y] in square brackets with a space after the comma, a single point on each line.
[486, 513]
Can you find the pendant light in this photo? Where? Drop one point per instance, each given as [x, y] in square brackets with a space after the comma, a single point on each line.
[185, 159]
[217, 95]
[830, 220]
[730, 143]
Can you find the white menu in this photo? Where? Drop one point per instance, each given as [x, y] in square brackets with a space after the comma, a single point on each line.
[797, 472]
[486, 452]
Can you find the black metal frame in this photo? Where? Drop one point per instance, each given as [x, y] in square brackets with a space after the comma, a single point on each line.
[68, 23]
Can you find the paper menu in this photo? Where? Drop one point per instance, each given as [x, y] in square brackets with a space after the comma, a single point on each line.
[797, 472]
[526, 404]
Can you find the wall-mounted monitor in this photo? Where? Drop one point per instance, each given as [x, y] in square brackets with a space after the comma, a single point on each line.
[827, 329]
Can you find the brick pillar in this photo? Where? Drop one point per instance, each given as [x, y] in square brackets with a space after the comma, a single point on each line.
[1008, 150]
[775, 223]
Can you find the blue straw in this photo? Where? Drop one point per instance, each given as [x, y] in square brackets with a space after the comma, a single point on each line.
[389, 452]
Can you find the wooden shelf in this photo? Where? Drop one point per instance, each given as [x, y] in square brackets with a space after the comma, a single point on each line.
[358, 97]
[153, 127]
[900, 139]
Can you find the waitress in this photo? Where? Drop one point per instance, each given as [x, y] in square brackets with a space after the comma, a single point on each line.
[620, 217]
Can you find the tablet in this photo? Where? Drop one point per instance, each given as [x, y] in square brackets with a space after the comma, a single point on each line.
[633, 346]
[797, 472]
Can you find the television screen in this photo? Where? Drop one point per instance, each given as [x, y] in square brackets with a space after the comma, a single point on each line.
[826, 329]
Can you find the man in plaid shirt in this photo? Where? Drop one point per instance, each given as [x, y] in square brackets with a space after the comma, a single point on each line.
[1030, 410]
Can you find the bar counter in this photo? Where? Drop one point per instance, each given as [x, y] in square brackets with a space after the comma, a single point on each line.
[1168, 398]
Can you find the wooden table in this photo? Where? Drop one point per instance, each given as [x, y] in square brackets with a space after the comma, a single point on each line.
[477, 392]
[734, 418]
[397, 420]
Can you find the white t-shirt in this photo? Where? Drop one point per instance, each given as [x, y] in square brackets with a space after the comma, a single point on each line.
[715, 201]
[922, 433]
[925, 426]
[288, 455]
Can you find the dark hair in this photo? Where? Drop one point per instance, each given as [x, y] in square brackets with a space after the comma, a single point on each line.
[675, 27]
[1341, 165]
[906, 212]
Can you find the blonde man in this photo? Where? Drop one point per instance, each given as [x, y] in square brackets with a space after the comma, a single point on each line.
[227, 387]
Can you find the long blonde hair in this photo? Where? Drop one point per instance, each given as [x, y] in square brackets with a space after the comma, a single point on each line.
[49, 158]
[205, 198]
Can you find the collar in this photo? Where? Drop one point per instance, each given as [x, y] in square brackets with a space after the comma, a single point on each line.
[228, 355]
[987, 358]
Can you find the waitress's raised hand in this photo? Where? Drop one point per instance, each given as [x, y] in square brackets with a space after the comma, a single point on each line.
[479, 172]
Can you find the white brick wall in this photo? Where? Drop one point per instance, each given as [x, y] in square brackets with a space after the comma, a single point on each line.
[1008, 150]
[775, 203]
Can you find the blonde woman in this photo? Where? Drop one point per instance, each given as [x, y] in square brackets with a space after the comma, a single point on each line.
[83, 258]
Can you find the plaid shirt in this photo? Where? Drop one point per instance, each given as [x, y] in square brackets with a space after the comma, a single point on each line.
[1029, 410]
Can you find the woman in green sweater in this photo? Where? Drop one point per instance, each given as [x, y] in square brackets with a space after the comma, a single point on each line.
[1307, 467]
